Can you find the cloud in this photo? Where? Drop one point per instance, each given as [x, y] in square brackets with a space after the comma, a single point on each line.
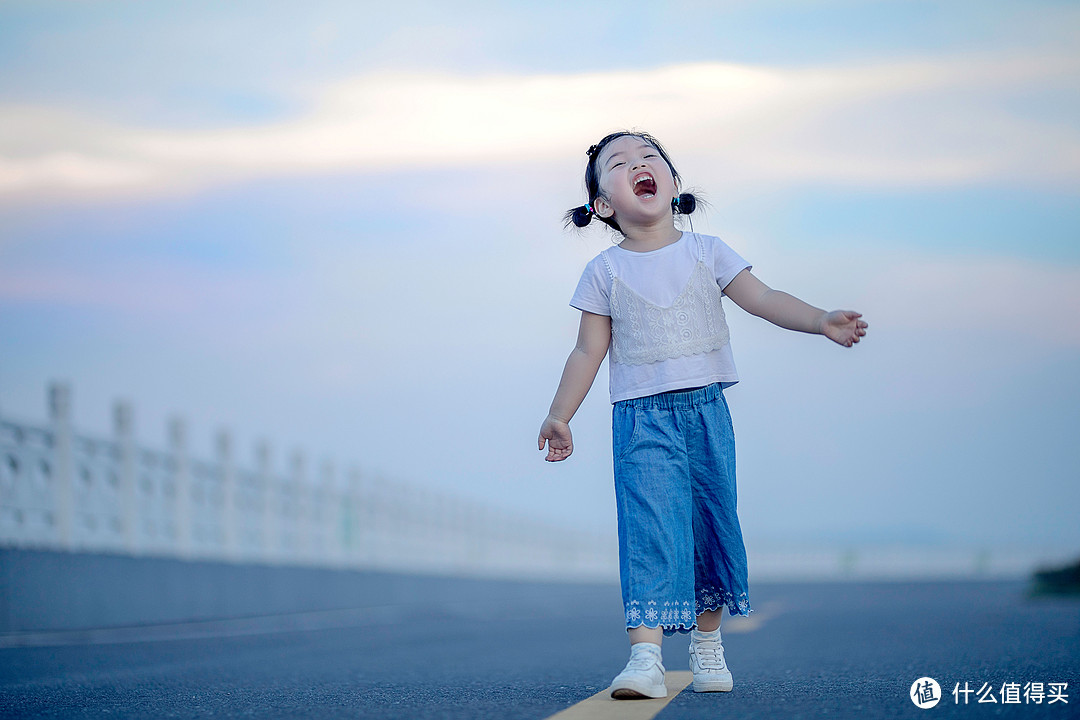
[945, 121]
[1019, 301]
[152, 291]
[1015, 302]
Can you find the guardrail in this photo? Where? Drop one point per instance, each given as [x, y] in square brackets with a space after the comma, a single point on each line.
[62, 490]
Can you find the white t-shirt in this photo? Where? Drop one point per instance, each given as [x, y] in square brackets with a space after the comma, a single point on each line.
[659, 276]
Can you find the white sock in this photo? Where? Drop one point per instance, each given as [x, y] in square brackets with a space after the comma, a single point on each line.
[645, 647]
[702, 635]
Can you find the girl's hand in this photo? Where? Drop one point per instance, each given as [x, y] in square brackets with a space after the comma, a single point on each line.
[557, 435]
[843, 327]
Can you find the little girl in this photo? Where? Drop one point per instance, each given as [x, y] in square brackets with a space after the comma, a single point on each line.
[653, 303]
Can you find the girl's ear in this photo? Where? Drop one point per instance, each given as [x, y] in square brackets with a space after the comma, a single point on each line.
[601, 208]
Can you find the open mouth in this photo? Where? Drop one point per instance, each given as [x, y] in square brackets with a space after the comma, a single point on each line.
[644, 185]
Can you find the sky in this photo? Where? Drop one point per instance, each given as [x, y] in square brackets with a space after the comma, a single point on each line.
[337, 226]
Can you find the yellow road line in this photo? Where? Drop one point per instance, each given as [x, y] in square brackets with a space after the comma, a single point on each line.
[602, 706]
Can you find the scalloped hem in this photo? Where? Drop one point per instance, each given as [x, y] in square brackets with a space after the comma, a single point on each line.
[675, 617]
[732, 610]
[713, 598]
[670, 630]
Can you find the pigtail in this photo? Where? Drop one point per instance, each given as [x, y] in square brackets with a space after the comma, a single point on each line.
[685, 204]
[579, 216]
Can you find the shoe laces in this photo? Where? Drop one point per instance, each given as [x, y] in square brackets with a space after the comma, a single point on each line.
[641, 661]
[710, 654]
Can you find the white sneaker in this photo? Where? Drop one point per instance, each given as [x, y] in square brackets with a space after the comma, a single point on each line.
[643, 676]
[707, 661]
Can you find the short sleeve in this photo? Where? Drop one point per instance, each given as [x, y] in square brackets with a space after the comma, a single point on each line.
[726, 262]
[592, 293]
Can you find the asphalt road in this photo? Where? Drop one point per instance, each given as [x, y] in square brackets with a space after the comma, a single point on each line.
[836, 650]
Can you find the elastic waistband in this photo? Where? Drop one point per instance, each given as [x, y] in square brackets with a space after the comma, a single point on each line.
[675, 399]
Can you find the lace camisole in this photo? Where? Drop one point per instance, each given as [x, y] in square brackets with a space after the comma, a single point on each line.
[643, 332]
[667, 322]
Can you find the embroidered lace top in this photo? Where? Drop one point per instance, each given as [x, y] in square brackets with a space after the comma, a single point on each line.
[643, 332]
[668, 325]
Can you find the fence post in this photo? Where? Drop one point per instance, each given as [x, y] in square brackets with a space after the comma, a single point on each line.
[302, 493]
[353, 525]
[375, 514]
[228, 493]
[60, 414]
[330, 512]
[270, 499]
[181, 485]
[124, 427]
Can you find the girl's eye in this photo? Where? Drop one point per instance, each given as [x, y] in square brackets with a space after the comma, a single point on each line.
[651, 156]
[617, 165]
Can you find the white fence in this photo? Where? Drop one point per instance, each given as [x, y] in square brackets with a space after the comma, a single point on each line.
[60, 490]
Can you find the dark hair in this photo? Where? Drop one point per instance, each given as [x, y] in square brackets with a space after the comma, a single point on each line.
[582, 215]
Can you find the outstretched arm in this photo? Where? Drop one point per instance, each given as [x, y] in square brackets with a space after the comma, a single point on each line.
[787, 311]
[594, 336]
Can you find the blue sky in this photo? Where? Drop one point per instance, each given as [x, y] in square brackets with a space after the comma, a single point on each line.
[339, 228]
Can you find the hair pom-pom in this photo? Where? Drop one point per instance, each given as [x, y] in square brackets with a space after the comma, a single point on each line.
[579, 216]
[685, 204]
[582, 215]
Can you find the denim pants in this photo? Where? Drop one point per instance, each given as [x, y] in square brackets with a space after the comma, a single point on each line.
[681, 549]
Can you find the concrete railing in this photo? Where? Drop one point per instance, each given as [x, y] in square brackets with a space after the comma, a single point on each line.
[62, 490]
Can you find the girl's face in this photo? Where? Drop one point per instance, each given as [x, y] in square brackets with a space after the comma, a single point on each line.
[636, 184]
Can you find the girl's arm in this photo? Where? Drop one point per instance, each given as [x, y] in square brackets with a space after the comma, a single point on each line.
[594, 336]
[755, 297]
